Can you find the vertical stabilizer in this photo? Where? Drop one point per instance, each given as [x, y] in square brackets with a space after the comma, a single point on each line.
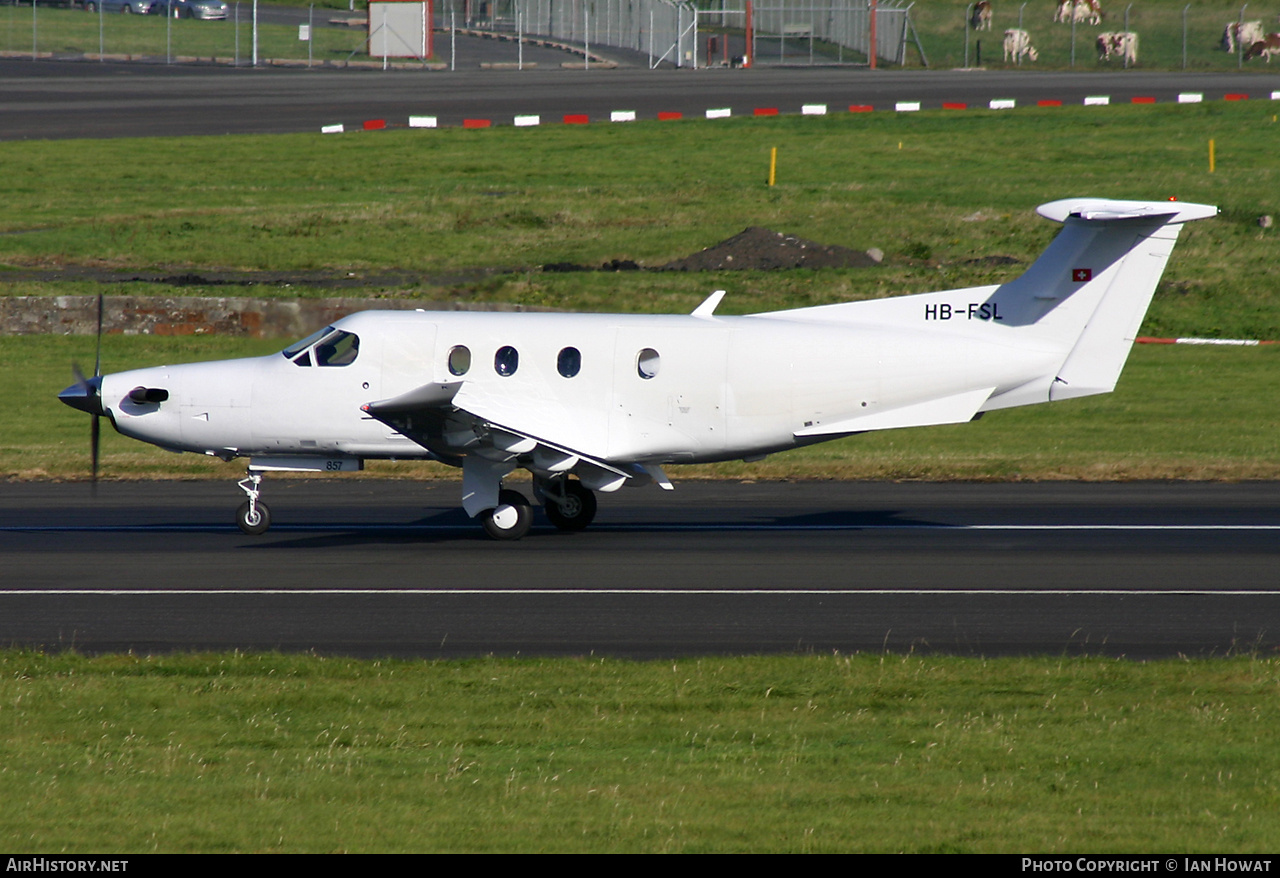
[1090, 289]
[1098, 289]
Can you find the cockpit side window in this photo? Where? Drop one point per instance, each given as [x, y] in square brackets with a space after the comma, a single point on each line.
[339, 349]
[328, 347]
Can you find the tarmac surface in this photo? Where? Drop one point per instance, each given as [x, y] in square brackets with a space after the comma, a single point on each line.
[365, 567]
[82, 99]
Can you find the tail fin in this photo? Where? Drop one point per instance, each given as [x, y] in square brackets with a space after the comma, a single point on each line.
[1077, 309]
[1090, 290]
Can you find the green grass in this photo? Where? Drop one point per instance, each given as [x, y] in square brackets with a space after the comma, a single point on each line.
[491, 206]
[230, 753]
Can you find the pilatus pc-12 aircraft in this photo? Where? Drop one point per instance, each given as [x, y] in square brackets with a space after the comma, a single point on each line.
[592, 402]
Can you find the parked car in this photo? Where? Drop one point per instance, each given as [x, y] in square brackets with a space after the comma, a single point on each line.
[208, 10]
[140, 7]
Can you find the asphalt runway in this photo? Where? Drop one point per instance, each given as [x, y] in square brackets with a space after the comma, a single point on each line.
[65, 99]
[365, 567]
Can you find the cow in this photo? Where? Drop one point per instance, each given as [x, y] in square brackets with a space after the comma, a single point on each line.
[1238, 33]
[981, 17]
[1017, 44]
[1264, 48]
[1079, 11]
[1123, 44]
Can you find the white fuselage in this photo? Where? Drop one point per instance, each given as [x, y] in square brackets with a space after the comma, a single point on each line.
[647, 388]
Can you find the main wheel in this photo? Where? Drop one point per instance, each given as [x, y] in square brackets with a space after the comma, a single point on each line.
[510, 519]
[575, 511]
[256, 523]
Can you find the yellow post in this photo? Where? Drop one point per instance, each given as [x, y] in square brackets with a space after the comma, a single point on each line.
[773, 165]
[1210, 155]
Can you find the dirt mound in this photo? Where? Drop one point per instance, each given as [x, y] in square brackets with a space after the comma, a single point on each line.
[766, 250]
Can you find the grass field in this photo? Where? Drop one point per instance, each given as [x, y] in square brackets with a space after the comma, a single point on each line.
[815, 754]
[488, 208]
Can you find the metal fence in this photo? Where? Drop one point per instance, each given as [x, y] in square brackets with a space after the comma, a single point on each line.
[668, 31]
[661, 29]
[58, 29]
[798, 33]
[1167, 36]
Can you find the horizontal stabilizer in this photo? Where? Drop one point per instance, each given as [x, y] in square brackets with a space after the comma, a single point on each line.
[1099, 209]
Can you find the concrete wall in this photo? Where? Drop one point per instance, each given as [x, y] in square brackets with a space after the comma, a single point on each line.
[176, 315]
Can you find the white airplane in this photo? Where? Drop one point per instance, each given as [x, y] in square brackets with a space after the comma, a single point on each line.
[592, 402]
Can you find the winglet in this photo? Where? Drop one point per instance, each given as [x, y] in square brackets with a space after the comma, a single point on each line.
[708, 306]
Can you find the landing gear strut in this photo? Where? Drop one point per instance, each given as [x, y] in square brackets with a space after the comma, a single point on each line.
[510, 519]
[253, 517]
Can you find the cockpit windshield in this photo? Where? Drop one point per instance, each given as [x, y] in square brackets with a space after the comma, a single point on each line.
[329, 346]
[292, 350]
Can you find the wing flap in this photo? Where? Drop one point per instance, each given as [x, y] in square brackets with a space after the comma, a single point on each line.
[435, 417]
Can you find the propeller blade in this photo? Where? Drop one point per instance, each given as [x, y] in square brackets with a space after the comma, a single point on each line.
[97, 359]
[94, 437]
[86, 395]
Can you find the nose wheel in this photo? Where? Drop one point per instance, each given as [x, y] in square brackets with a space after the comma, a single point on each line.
[253, 517]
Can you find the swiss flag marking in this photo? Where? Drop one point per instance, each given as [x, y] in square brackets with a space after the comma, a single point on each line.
[1082, 275]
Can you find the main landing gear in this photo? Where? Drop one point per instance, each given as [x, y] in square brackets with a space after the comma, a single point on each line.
[569, 506]
[510, 519]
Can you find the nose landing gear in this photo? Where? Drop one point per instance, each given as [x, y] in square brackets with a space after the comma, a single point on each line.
[253, 517]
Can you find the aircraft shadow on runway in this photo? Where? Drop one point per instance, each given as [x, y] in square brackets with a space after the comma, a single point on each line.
[452, 525]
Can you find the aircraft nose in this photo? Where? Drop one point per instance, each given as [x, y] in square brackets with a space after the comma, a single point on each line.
[85, 395]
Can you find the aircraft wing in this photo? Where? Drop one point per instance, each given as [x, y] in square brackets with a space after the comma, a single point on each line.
[455, 425]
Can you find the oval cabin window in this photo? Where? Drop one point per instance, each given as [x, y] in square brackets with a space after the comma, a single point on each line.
[459, 360]
[647, 363]
[569, 363]
[506, 361]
